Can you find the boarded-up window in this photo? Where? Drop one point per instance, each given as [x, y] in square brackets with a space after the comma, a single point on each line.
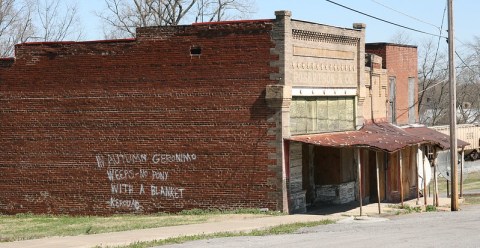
[411, 101]
[322, 114]
[393, 99]
[327, 164]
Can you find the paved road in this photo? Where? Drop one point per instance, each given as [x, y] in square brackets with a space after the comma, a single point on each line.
[441, 229]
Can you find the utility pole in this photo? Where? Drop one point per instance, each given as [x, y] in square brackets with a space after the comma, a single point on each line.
[453, 109]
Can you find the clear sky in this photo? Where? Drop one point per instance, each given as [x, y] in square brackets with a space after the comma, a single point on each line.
[424, 15]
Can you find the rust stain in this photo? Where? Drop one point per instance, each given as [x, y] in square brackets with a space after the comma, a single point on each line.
[380, 136]
[433, 136]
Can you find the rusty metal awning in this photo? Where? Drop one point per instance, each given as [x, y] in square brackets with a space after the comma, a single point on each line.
[379, 136]
[433, 136]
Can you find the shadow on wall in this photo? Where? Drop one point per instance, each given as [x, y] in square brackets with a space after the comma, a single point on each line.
[259, 111]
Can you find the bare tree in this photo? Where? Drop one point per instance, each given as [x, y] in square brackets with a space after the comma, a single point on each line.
[122, 17]
[432, 78]
[56, 22]
[401, 37]
[433, 84]
[15, 25]
[218, 10]
[36, 20]
[433, 90]
[468, 79]
[467, 102]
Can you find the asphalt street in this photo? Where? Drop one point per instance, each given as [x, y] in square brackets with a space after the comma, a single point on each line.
[435, 229]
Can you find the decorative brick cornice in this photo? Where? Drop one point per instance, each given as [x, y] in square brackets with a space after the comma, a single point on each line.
[323, 37]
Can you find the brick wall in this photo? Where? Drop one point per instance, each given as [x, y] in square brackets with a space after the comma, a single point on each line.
[6, 62]
[140, 125]
[401, 62]
[375, 105]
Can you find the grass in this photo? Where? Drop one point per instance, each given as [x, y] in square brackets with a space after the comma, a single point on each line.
[277, 230]
[430, 208]
[406, 209]
[472, 200]
[470, 183]
[409, 209]
[30, 226]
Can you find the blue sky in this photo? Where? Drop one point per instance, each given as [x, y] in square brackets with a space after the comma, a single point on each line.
[428, 12]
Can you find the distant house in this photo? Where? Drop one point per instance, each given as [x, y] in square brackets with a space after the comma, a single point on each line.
[278, 113]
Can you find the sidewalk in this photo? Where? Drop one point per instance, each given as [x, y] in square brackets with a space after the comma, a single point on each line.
[234, 225]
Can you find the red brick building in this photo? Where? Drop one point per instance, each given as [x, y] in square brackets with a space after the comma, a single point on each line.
[174, 119]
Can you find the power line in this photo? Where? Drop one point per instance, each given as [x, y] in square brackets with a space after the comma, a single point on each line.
[438, 43]
[456, 67]
[405, 27]
[460, 41]
[463, 61]
[431, 86]
[407, 15]
[396, 24]
[383, 20]
[444, 81]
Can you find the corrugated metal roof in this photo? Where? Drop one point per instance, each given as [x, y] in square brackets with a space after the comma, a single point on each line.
[379, 136]
[435, 137]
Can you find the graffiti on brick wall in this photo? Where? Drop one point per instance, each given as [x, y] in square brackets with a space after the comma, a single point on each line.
[129, 178]
[133, 159]
[119, 203]
[42, 196]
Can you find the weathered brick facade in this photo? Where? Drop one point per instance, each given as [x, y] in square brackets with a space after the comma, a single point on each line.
[376, 106]
[401, 63]
[185, 117]
[174, 119]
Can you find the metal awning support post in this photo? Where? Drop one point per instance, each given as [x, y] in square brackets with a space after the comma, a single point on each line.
[400, 175]
[416, 172]
[448, 190]
[424, 176]
[359, 169]
[378, 181]
[435, 178]
[461, 171]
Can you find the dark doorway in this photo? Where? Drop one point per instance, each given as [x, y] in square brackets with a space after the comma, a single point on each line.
[372, 171]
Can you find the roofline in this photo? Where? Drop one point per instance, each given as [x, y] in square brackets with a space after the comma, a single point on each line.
[326, 25]
[75, 42]
[232, 22]
[390, 44]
